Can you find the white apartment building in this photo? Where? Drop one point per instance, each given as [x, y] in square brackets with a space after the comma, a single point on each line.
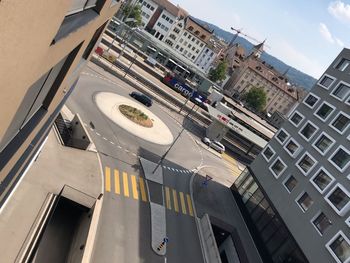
[192, 39]
[148, 8]
[205, 59]
[163, 24]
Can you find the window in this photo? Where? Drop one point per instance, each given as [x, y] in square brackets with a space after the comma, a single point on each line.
[321, 223]
[278, 167]
[323, 143]
[311, 100]
[308, 131]
[326, 81]
[341, 122]
[177, 46]
[292, 147]
[306, 163]
[339, 247]
[296, 118]
[341, 91]
[185, 34]
[181, 40]
[343, 64]
[268, 153]
[181, 49]
[322, 180]
[338, 198]
[282, 136]
[340, 158]
[304, 201]
[290, 183]
[324, 111]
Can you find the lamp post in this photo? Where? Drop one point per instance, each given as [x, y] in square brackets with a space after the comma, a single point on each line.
[178, 136]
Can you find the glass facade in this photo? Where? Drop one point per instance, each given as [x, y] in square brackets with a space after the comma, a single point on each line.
[274, 241]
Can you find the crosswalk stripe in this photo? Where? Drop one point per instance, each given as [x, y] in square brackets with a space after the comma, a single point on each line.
[167, 198]
[116, 182]
[108, 179]
[189, 204]
[143, 190]
[126, 184]
[176, 204]
[182, 201]
[135, 193]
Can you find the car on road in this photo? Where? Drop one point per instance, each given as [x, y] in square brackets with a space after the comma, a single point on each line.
[141, 98]
[218, 146]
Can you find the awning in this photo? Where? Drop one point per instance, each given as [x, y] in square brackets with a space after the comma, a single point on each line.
[152, 48]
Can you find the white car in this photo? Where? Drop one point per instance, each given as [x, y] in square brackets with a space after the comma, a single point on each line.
[218, 146]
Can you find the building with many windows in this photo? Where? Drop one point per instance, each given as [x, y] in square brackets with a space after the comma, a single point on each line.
[40, 64]
[253, 72]
[296, 194]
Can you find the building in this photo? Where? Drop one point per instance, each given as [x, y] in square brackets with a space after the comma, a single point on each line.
[148, 8]
[38, 70]
[209, 54]
[253, 72]
[192, 39]
[296, 194]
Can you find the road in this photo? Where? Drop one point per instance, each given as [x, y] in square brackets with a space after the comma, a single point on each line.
[125, 229]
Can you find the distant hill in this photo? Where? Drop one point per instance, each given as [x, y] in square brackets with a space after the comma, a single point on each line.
[295, 76]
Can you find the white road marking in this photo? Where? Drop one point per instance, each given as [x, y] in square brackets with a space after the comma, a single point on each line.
[173, 169]
[112, 142]
[98, 134]
[126, 150]
[85, 124]
[134, 154]
[119, 147]
[91, 129]
[105, 138]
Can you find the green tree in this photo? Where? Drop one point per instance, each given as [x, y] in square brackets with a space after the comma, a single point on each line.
[256, 98]
[132, 15]
[219, 73]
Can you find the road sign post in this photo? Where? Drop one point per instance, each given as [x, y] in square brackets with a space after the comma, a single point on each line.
[207, 179]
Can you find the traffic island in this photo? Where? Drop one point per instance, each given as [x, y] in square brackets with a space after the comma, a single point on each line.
[135, 115]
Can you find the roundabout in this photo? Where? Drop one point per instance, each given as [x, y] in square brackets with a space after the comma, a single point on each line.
[134, 118]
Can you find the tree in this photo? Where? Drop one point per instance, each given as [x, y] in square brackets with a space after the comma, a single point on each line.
[132, 15]
[219, 73]
[256, 98]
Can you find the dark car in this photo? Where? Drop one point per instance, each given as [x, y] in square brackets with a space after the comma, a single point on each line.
[141, 98]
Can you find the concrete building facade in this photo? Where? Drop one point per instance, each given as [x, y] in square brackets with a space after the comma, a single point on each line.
[39, 66]
[296, 194]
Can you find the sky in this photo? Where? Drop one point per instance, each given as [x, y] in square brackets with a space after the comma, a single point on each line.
[306, 34]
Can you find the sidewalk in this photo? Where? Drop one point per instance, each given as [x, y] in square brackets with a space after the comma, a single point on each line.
[55, 166]
[218, 202]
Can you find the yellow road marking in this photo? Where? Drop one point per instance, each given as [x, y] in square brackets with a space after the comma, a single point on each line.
[126, 184]
[176, 204]
[135, 193]
[143, 190]
[182, 200]
[116, 182]
[189, 203]
[108, 179]
[167, 198]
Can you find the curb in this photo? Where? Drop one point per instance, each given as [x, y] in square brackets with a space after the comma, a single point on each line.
[199, 228]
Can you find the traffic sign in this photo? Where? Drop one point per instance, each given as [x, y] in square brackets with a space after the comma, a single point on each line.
[166, 240]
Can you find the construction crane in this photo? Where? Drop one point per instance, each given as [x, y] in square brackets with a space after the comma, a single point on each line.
[239, 32]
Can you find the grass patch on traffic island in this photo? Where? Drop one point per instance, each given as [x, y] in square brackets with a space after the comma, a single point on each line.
[136, 116]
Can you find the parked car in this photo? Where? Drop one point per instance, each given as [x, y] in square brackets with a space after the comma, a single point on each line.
[218, 146]
[141, 98]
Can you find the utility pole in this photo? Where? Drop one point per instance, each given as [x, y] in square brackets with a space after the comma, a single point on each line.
[178, 136]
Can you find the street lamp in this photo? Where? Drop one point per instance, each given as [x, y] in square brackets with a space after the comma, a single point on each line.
[178, 136]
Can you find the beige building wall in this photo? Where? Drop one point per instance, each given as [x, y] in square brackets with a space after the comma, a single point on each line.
[27, 53]
[245, 78]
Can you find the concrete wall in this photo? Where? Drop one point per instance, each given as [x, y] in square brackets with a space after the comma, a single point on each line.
[297, 221]
[211, 248]
[27, 31]
[229, 247]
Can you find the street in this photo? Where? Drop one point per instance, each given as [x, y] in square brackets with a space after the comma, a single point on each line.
[124, 233]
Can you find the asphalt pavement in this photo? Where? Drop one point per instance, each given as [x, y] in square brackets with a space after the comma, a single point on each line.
[124, 229]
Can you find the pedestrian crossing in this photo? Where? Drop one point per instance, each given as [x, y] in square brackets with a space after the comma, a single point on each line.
[130, 186]
[183, 171]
